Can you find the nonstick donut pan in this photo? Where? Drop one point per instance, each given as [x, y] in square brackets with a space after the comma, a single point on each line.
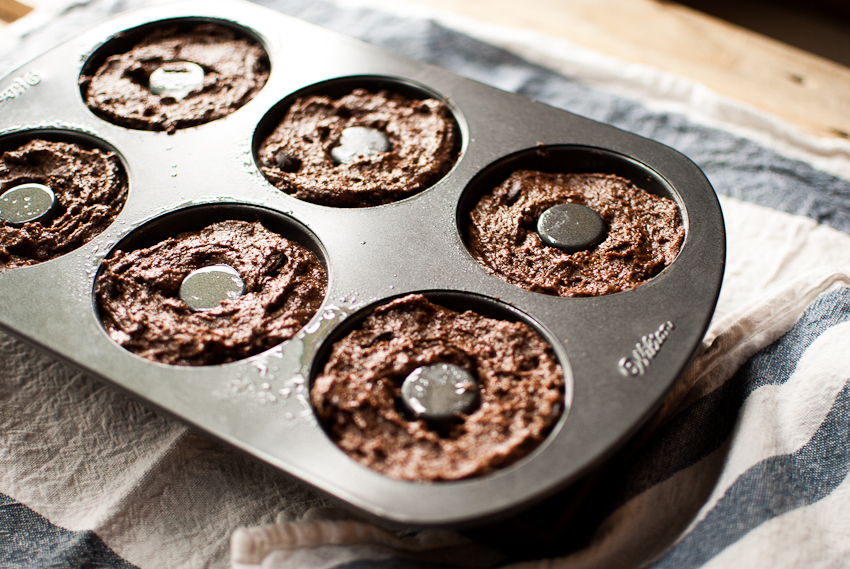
[620, 353]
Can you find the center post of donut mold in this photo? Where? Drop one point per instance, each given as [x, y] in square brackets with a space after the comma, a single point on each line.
[205, 288]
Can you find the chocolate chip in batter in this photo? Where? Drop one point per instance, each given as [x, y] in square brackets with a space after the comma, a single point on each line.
[287, 163]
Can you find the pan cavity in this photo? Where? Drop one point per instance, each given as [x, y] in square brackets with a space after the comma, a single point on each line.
[358, 142]
[571, 221]
[234, 281]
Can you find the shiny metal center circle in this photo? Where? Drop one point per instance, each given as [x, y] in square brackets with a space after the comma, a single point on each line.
[439, 393]
[359, 141]
[571, 227]
[25, 203]
[205, 288]
[176, 79]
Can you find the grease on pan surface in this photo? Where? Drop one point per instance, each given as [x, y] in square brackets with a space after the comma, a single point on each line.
[90, 188]
[357, 395]
[644, 234]
[235, 69]
[138, 295]
[297, 159]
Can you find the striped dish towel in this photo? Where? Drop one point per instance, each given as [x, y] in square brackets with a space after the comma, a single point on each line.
[744, 466]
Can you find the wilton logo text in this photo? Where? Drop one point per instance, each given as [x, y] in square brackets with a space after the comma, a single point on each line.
[19, 86]
[645, 351]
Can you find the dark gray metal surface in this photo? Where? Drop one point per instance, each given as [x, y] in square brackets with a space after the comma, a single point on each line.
[621, 353]
[571, 227]
[438, 393]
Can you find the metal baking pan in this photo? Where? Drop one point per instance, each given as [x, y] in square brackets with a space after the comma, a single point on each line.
[372, 255]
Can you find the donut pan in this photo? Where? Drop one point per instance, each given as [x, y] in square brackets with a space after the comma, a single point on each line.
[621, 353]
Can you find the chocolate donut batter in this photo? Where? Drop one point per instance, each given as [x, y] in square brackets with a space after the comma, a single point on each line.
[235, 71]
[357, 395]
[89, 186]
[644, 234]
[296, 157]
[137, 293]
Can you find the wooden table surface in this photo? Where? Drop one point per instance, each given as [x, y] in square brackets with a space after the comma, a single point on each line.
[805, 90]
[11, 10]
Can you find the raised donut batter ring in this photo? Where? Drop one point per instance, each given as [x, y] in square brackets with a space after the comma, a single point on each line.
[297, 159]
[644, 234]
[138, 295]
[89, 186]
[357, 395]
[235, 70]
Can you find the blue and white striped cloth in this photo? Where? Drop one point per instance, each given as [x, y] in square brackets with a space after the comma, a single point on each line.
[744, 466]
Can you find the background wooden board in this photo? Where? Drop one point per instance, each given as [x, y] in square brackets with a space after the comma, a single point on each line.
[803, 89]
[11, 10]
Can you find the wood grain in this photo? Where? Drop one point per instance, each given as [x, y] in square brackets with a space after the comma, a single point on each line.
[808, 91]
[11, 10]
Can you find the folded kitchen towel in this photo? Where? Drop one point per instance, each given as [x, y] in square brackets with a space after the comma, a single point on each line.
[745, 465]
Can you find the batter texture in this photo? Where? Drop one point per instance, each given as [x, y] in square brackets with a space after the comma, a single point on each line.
[138, 295]
[645, 234]
[90, 188]
[296, 157]
[235, 71]
[357, 396]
